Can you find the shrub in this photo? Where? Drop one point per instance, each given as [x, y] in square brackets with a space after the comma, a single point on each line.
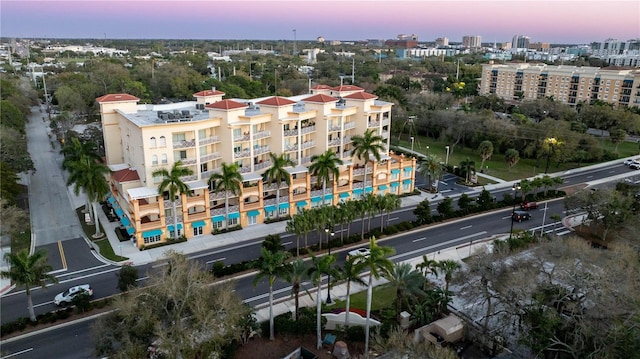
[354, 334]
[127, 278]
[82, 302]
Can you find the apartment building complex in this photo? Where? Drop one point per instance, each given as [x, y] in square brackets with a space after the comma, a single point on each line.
[472, 41]
[205, 133]
[568, 84]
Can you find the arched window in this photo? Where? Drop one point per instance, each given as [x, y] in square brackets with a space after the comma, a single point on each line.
[163, 141]
[154, 160]
[164, 158]
[152, 142]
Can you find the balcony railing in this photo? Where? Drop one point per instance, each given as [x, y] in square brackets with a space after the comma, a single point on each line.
[245, 169]
[360, 171]
[261, 134]
[208, 140]
[334, 142]
[241, 138]
[349, 125]
[346, 139]
[305, 160]
[291, 132]
[189, 178]
[221, 195]
[263, 165]
[210, 156]
[242, 154]
[308, 144]
[308, 129]
[188, 161]
[347, 153]
[221, 211]
[291, 148]
[260, 150]
[373, 124]
[385, 121]
[334, 128]
[185, 144]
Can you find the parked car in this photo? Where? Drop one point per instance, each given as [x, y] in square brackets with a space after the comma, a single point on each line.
[358, 253]
[528, 205]
[635, 166]
[67, 296]
[520, 216]
[628, 161]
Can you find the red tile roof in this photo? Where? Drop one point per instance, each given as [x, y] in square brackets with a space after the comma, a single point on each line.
[320, 98]
[116, 97]
[227, 105]
[361, 96]
[321, 87]
[347, 88]
[276, 101]
[126, 175]
[208, 93]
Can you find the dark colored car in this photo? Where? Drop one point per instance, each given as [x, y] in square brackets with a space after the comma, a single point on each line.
[520, 216]
[528, 205]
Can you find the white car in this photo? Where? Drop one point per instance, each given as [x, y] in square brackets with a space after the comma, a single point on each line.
[635, 166]
[67, 296]
[630, 162]
[358, 253]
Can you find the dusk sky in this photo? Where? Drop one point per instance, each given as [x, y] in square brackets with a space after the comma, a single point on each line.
[574, 22]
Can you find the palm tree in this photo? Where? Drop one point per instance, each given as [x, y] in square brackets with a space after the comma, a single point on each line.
[407, 283]
[294, 226]
[430, 167]
[378, 264]
[392, 202]
[28, 270]
[74, 151]
[351, 274]
[296, 272]
[270, 265]
[448, 266]
[325, 168]
[426, 267]
[172, 183]
[366, 146]
[320, 266]
[277, 173]
[468, 166]
[228, 179]
[90, 175]
[351, 213]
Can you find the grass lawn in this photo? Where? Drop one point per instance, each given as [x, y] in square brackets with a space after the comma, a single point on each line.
[21, 240]
[526, 167]
[383, 297]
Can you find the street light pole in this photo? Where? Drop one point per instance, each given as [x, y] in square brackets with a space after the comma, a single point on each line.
[446, 161]
[515, 188]
[412, 139]
[427, 150]
[329, 232]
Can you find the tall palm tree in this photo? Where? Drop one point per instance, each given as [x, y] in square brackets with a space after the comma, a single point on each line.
[365, 147]
[229, 179]
[74, 150]
[296, 273]
[28, 270]
[430, 167]
[325, 168]
[278, 174]
[350, 273]
[407, 283]
[351, 213]
[426, 267]
[378, 264]
[448, 266]
[392, 202]
[319, 267]
[294, 227]
[468, 167]
[172, 183]
[271, 265]
[90, 175]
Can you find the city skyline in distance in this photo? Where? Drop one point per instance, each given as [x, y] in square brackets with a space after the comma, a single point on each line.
[556, 22]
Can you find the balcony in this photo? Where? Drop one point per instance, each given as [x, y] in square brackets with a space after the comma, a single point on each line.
[207, 174]
[385, 121]
[210, 157]
[260, 150]
[346, 139]
[360, 171]
[220, 211]
[208, 140]
[334, 142]
[261, 134]
[349, 125]
[242, 138]
[373, 124]
[242, 154]
[169, 219]
[150, 208]
[252, 205]
[308, 144]
[189, 178]
[308, 129]
[149, 225]
[261, 166]
[195, 201]
[305, 160]
[335, 128]
[221, 195]
[245, 169]
[185, 144]
[291, 148]
[289, 133]
[347, 153]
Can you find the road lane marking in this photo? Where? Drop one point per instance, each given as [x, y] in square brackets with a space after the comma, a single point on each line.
[465, 227]
[62, 257]
[216, 260]
[507, 217]
[80, 271]
[226, 249]
[437, 245]
[419, 239]
[286, 243]
[17, 353]
[394, 219]
[563, 233]
[160, 265]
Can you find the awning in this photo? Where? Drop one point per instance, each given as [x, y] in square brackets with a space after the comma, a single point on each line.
[407, 181]
[125, 221]
[382, 187]
[269, 208]
[395, 171]
[328, 196]
[197, 224]
[170, 227]
[301, 203]
[357, 191]
[395, 184]
[119, 212]
[111, 199]
[315, 199]
[368, 189]
[344, 195]
[283, 205]
[408, 169]
[297, 169]
[153, 233]
[252, 176]
[234, 215]
[131, 231]
[217, 218]
[253, 213]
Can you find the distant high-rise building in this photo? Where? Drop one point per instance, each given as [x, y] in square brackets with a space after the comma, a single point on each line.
[614, 47]
[403, 41]
[472, 41]
[520, 42]
[442, 41]
[539, 46]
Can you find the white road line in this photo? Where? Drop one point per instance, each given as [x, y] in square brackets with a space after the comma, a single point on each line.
[17, 353]
[394, 219]
[563, 233]
[443, 244]
[57, 271]
[465, 227]
[226, 249]
[160, 265]
[286, 243]
[446, 190]
[83, 270]
[589, 176]
[216, 260]
[419, 239]
[507, 217]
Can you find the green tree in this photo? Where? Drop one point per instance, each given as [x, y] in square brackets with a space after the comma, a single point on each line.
[13, 150]
[325, 168]
[127, 277]
[11, 117]
[296, 273]
[617, 136]
[391, 202]
[485, 200]
[486, 151]
[431, 167]
[465, 202]
[75, 151]
[271, 265]
[445, 208]
[173, 184]
[90, 175]
[272, 243]
[511, 157]
[277, 174]
[28, 271]
[350, 273]
[448, 267]
[427, 267]
[9, 187]
[407, 284]
[423, 211]
[365, 147]
[319, 267]
[467, 167]
[228, 180]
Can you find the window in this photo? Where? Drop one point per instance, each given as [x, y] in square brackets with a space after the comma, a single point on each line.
[237, 132]
[405, 187]
[178, 137]
[232, 222]
[270, 214]
[202, 134]
[253, 219]
[217, 225]
[151, 239]
[152, 142]
[157, 179]
[197, 231]
[204, 167]
[179, 155]
[163, 142]
[154, 160]
[163, 158]
[283, 211]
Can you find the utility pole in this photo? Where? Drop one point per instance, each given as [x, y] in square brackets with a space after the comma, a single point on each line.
[295, 44]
